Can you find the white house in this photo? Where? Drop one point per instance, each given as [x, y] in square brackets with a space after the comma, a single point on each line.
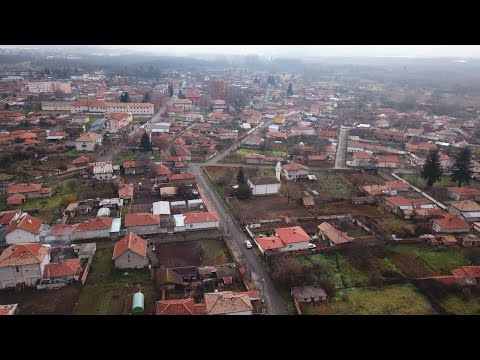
[23, 263]
[26, 229]
[94, 229]
[103, 170]
[267, 185]
[201, 220]
[130, 252]
[293, 170]
[184, 104]
[88, 141]
[285, 239]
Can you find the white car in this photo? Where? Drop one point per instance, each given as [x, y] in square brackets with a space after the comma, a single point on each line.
[248, 244]
[312, 246]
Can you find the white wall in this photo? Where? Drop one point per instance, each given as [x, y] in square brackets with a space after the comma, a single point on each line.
[268, 189]
[296, 246]
[130, 260]
[203, 225]
[104, 177]
[79, 235]
[29, 274]
[19, 236]
[89, 145]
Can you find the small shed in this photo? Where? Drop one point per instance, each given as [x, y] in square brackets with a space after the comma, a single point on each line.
[309, 293]
[138, 302]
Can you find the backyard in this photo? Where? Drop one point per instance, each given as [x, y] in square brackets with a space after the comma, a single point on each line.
[239, 154]
[109, 291]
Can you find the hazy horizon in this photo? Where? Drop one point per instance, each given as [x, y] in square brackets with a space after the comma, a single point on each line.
[414, 51]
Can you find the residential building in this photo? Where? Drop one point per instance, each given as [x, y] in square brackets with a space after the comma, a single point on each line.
[184, 104]
[227, 303]
[292, 171]
[254, 141]
[385, 161]
[25, 229]
[97, 228]
[179, 307]
[65, 271]
[140, 109]
[201, 220]
[88, 141]
[363, 159]
[469, 210]
[29, 191]
[450, 223]
[130, 252]
[461, 193]
[332, 236]
[309, 293]
[142, 223]
[117, 122]
[49, 87]
[284, 240]
[219, 105]
[23, 264]
[56, 105]
[103, 170]
[133, 167]
[302, 131]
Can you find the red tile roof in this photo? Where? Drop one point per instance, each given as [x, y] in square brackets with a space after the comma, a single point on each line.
[467, 271]
[401, 201]
[63, 229]
[200, 217]
[6, 218]
[15, 199]
[162, 170]
[141, 219]
[294, 167]
[317, 157]
[102, 223]
[335, 235]
[276, 134]
[269, 243]
[131, 242]
[27, 223]
[64, 268]
[89, 137]
[184, 176]
[451, 222]
[386, 158]
[226, 302]
[24, 188]
[81, 160]
[362, 155]
[23, 254]
[294, 234]
[125, 192]
[179, 307]
[464, 191]
[131, 164]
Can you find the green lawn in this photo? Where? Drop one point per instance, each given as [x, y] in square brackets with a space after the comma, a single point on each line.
[350, 275]
[244, 151]
[335, 185]
[389, 300]
[421, 183]
[454, 304]
[137, 155]
[107, 290]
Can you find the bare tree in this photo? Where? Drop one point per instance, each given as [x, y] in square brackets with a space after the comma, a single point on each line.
[291, 191]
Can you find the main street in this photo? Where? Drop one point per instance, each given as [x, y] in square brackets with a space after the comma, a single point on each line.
[258, 273]
[341, 150]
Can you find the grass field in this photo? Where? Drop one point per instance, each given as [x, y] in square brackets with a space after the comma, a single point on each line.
[454, 304]
[131, 155]
[421, 183]
[241, 152]
[389, 300]
[109, 291]
[336, 185]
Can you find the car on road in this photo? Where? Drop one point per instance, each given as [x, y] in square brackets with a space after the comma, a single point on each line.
[312, 246]
[248, 244]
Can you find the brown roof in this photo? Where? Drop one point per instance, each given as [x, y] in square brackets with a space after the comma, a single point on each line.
[141, 219]
[131, 242]
[264, 180]
[81, 160]
[89, 137]
[451, 222]
[24, 188]
[335, 235]
[15, 199]
[464, 191]
[125, 192]
[200, 217]
[27, 223]
[401, 201]
[465, 205]
[184, 176]
[387, 158]
[23, 254]
[294, 167]
[179, 307]
[226, 302]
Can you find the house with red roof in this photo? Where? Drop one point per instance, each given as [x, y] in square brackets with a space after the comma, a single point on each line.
[130, 252]
[387, 161]
[228, 303]
[93, 229]
[64, 271]
[81, 161]
[363, 159]
[292, 171]
[142, 223]
[465, 271]
[23, 264]
[285, 239]
[8, 217]
[126, 193]
[88, 141]
[461, 193]
[30, 191]
[201, 220]
[133, 167]
[15, 199]
[25, 229]
[450, 223]
[186, 178]
[179, 307]
[333, 236]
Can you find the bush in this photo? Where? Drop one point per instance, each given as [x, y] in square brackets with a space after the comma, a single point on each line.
[473, 255]
[344, 297]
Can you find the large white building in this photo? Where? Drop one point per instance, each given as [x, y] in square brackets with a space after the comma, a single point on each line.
[142, 109]
[49, 87]
[267, 185]
[23, 263]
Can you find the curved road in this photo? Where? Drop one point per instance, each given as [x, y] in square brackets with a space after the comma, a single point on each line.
[259, 275]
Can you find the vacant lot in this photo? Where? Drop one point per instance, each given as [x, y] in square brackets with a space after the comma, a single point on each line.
[135, 155]
[239, 154]
[389, 300]
[42, 302]
[109, 291]
[455, 304]
[268, 207]
[192, 253]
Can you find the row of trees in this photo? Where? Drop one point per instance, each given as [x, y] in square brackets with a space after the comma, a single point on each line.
[461, 170]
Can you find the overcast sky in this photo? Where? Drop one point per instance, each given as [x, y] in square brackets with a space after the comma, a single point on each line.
[299, 50]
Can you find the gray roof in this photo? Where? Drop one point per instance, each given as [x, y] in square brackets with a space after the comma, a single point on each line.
[265, 180]
[306, 292]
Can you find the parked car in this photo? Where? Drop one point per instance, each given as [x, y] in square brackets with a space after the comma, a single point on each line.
[312, 246]
[248, 244]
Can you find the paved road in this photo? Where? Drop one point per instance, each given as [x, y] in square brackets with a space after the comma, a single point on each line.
[341, 150]
[238, 143]
[259, 275]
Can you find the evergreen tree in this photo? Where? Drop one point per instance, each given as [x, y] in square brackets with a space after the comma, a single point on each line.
[290, 90]
[124, 97]
[241, 177]
[146, 97]
[244, 192]
[170, 90]
[145, 143]
[462, 168]
[432, 170]
[271, 80]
